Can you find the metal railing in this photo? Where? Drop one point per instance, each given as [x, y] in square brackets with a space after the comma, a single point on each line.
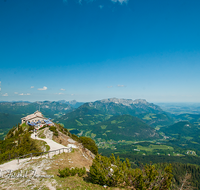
[61, 150]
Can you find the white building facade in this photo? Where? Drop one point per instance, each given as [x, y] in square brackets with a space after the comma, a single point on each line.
[35, 117]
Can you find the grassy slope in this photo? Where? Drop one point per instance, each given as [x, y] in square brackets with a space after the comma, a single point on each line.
[124, 127]
[75, 182]
[185, 128]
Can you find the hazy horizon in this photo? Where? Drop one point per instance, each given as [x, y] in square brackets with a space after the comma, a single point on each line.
[178, 103]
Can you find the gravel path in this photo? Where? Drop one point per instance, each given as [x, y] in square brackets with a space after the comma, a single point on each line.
[53, 145]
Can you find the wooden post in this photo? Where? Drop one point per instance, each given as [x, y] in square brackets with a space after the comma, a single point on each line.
[31, 156]
[48, 154]
[63, 150]
[59, 151]
[18, 159]
[41, 154]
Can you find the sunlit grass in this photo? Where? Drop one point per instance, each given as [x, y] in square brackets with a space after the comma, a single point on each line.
[151, 147]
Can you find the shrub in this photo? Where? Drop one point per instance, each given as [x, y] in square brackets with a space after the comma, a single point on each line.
[55, 133]
[64, 173]
[72, 172]
[82, 171]
[43, 127]
[31, 128]
[89, 144]
[114, 172]
[74, 137]
[54, 130]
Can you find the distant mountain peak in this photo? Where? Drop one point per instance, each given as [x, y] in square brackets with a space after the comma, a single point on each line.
[68, 102]
[116, 105]
[73, 102]
[126, 102]
[137, 101]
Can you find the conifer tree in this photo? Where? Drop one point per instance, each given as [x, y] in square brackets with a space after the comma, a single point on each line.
[114, 172]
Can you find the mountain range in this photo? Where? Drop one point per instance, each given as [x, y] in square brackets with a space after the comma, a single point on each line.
[123, 118]
[87, 115]
[90, 118]
[150, 113]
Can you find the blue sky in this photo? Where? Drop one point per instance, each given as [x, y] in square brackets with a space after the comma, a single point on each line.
[94, 49]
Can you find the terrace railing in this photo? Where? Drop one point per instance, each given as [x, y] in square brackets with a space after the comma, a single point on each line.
[14, 155]
[58, 151]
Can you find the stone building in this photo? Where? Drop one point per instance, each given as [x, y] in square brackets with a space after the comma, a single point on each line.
[35, 117]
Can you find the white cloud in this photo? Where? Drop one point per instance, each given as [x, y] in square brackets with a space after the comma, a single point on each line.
[72, 94]
[110, 86]
[22, 94]
[62, 89]
[0, 83]
[32, 86]
[88, 1]
[119, 85]
[15, 92]
[0, 89]
[6, 94]
[120, 1]
[79, 1]
[44, 88]
[101, 6]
